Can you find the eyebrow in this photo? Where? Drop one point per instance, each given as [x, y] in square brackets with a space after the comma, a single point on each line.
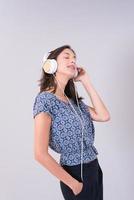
[69, 54]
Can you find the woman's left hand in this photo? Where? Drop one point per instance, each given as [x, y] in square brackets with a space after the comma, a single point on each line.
[82, 74]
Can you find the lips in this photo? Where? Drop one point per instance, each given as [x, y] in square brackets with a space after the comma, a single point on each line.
[71, 66]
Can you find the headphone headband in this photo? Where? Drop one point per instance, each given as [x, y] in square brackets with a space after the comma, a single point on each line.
[45, 56]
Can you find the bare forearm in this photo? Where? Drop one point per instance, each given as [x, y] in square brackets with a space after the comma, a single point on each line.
[57, 170]
[97, 103]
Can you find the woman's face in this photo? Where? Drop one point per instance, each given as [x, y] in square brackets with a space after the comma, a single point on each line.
[66, 63]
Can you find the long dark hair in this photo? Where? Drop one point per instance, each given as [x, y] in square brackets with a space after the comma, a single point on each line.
[47, 82]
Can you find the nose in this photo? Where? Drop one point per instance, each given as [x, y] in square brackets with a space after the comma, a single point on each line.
[73, 62]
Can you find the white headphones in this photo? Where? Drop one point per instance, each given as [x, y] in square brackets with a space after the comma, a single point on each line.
[50, 66]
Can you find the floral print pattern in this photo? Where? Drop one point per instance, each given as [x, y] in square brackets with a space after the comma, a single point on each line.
[66, 130]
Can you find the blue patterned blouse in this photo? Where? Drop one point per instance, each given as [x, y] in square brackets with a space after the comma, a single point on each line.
[65, 130]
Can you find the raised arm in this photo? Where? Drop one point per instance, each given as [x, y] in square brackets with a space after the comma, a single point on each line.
[98, 112]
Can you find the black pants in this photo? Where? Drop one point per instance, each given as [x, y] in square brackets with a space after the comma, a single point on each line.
[92, 182]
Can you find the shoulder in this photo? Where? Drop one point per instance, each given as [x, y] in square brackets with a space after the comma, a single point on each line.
[42, 102]
[44, 97]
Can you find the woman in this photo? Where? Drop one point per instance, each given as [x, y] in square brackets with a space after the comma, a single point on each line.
[57, 126]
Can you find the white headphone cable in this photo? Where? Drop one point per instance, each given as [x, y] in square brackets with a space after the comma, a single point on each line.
[80, 121]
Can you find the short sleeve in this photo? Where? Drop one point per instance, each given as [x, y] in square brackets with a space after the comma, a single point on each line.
[41, 104]
[84, 105]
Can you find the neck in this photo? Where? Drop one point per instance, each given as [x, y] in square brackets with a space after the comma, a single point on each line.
[61, 84]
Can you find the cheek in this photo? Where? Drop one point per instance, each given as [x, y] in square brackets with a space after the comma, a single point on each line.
[62, 65]
[62, 62]
[61, 68]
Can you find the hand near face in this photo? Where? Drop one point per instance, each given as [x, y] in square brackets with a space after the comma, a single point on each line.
[81, 74]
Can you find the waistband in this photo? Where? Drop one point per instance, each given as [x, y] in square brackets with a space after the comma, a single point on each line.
[85, 165]
[89, 170]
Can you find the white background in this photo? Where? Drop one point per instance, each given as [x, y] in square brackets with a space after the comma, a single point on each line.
[101, 33]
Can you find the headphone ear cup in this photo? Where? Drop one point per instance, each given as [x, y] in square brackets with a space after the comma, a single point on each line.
[50, 66]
